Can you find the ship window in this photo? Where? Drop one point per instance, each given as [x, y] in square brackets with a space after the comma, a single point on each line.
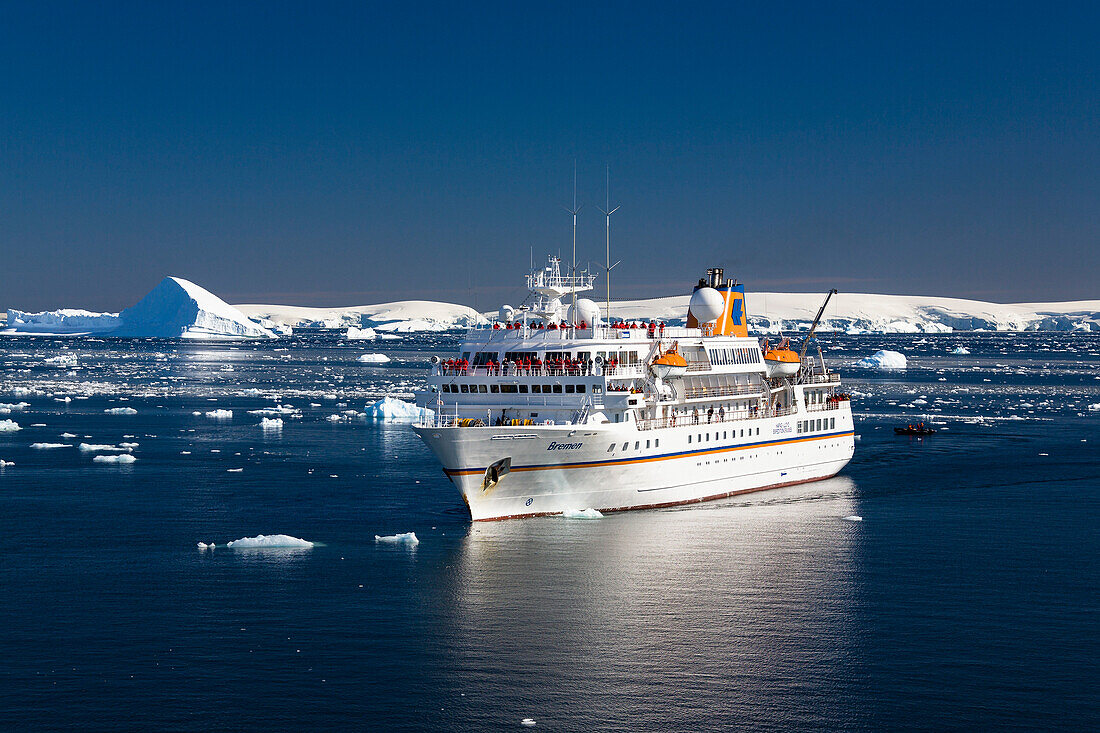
[481, 389]
[534, 414]
[597, 389]
[699, 438]
[708, 437]
[832, 423]
[818, 426]
[580, 389]
[657, 443]
[689, 438]
[626, 445]
[742, 432]
[637, 444]
[466, 355]
[557, 389]
[570, 388]
[509, 388]
[610, 447]
[523, 389]
[494, 388]
[647, 445]
[536, 388]
[465, 388]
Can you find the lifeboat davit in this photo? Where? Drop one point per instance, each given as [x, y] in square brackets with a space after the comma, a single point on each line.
[781, 361]
[670, 365]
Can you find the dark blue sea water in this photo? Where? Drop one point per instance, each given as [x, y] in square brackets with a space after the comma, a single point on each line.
[967, 598]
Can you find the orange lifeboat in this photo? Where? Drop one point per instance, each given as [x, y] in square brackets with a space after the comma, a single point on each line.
[781, 361]
[670, 365]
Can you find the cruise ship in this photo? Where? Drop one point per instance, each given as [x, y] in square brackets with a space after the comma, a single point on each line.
[551, 410]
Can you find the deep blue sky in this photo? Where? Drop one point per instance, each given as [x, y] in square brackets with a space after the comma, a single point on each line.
[340, 154]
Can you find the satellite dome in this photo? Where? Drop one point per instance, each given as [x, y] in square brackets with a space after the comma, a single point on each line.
[706, 305]
[506, 313]
[587, 312]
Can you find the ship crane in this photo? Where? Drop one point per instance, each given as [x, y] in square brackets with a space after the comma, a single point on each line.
[813, 326]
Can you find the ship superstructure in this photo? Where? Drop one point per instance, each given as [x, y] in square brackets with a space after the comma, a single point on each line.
[540, 414]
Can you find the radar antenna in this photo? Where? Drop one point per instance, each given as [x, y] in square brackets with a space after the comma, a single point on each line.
[573, 269]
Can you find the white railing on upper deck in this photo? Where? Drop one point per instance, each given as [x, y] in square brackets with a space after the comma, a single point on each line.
[734, 390]
[702, 420]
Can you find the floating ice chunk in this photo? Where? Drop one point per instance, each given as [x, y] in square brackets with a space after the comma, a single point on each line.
[407, 538]
[360, 334]
[204, 546]
[66, 435]
[49, 446]
[9, 426]
[276, 411]
[98, 448]
[335, 418]
[883, 360]
[128, 446]
[374, 358]
[960, 351]
[528, 722]
[273, 540]
[117, 458]
[854, 518]
[391, 408]
[8, 407]
[120, 411]
[233, 470]
[271, 423]
[220, 414]
[582, 514]
[4, 463]
[1095, 407]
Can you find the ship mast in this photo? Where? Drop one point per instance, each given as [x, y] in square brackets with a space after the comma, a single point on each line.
[607, 212]
[573, 270]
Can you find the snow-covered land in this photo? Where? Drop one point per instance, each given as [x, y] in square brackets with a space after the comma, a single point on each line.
[864, 312]
[175, 308]
[404, 316]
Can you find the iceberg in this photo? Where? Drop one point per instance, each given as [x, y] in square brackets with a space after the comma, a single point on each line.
[886, 360]
[400, 317]
[49, 446]
[220, 414]
[93, 448]
[178, 308]
[9, 426]
[271, 423]
[120, 411]
[175, 308]
[6, 408]
[407, 538]
[582, 514]
[374, 358]
[273, 540]
[119, 458]
[391, 408]
[360, 334]
[960, 351]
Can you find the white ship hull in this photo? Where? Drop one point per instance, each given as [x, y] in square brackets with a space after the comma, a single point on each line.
[554, 469]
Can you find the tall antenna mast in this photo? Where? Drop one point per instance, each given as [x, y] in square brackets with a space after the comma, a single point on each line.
[607, 213]
[573, 270]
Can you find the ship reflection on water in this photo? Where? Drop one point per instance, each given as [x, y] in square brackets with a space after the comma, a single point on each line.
[710, 610]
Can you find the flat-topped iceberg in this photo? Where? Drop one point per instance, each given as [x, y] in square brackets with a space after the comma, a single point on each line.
[405, 538]
[391, 408]
[66, 321]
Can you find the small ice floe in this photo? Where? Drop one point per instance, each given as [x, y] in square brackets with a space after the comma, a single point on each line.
[49, 446]
[66, 435]
[374, 358]
[528, 722]
[589, 513]
[204, 546]
[360, 334]
[406, 538]
[853, 518]
[4, 464]
[276, 411]
[885, 360]
[233, 470]
[271, 423]
[6, 408]
[120, 411]
[128, 446]
[117, 458]
[65, 399]
[94, 448]
[9, 426]
[1095, 407]
[220, 414]
[960, 351]
[269, 541]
